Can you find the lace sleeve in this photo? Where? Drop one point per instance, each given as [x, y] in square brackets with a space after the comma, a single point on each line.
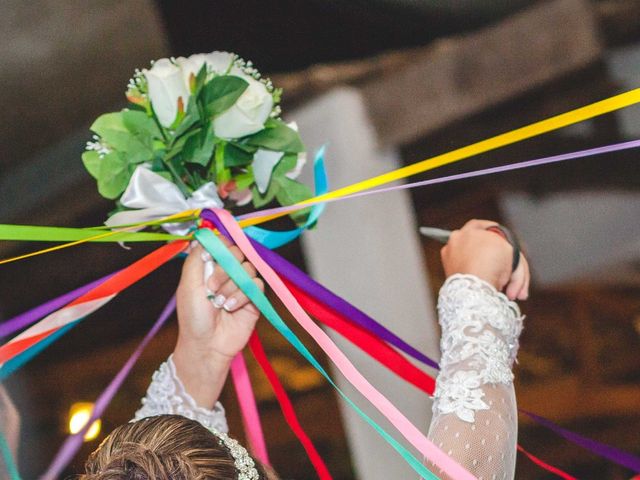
[167, 395]
[474, 412]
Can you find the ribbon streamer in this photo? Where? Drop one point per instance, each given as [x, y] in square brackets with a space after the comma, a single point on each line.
[27, 318]
[287, 407]
[237, 273]
[410, 432]
[267, 214]
[90, 301]
[249, 409]
[73, 442]
[546, 466]
[625, 459]
[7, 457]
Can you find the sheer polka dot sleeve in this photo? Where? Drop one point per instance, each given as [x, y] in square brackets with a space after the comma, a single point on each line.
[474, 410]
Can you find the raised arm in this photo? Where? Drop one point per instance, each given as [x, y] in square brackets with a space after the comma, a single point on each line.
[215, 322]
[474, 412]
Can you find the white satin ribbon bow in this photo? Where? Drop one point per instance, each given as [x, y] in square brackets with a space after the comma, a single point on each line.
[152, 197]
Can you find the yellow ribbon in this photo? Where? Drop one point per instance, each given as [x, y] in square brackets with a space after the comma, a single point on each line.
[544, 126]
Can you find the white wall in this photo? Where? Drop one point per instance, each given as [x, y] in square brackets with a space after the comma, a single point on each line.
[367, 250]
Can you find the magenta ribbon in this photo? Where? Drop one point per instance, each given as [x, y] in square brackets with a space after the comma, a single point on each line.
[313, 288]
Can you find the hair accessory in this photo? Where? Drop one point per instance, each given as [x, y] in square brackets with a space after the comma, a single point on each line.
[244, 463]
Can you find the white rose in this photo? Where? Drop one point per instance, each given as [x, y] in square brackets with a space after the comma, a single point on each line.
[218, 62]
[166, 86]
[248, 114]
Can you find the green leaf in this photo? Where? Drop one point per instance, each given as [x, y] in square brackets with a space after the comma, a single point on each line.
[291, 192]
[141, 125]
[287, 163]
[277, 136]
[262, 200]
[113, 176]
[137, 146]
[108, 122]
[235, 156]
[221, 93]
[92, 160]
[199, 148]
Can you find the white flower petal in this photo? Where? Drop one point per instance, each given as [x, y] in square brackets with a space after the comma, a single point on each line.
[263, 163]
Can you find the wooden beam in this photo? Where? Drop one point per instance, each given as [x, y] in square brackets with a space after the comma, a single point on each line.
[462, 76]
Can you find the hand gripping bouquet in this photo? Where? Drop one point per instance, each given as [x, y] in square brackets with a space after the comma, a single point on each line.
[199, 132]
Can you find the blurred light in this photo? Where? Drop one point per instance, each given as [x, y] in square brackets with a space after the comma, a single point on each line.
[79, 414]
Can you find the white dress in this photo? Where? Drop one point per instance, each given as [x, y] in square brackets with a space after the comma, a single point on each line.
[474, 411]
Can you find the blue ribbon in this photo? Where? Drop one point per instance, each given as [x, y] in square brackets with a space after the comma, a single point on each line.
[272, 239]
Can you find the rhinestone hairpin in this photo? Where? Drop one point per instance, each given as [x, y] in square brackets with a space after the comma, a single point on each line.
[242, 460]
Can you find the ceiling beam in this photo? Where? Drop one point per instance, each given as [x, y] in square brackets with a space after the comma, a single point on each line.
[461, 76]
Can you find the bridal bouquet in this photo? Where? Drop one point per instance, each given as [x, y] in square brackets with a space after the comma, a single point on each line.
[203, 131]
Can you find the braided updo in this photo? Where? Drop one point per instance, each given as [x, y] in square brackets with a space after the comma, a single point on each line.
[166, 447]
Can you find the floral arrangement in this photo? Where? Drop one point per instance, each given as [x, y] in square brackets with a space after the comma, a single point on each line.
[204, 131]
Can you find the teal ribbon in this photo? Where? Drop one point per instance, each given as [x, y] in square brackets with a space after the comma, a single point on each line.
[272, 239]
[235, 271]
[7, 457]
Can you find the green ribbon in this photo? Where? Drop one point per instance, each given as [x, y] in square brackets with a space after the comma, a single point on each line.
[229, 264]
[7, 456]
[61, 234]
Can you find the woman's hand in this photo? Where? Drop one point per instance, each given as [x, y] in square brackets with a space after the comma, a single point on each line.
[475, 250]
[212, 331]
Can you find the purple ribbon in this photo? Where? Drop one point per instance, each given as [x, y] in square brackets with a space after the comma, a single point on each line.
[460, 176]
[617, 456]
[27, 318]
[323, 294]
[313, 288]
[73, 442]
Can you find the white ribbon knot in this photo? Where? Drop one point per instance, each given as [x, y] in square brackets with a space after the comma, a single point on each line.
[151, 197]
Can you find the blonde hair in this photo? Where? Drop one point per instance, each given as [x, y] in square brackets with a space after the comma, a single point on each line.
[165, 447]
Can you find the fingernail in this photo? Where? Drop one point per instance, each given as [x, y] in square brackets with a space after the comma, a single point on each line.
[228, 306]
[219, 301]
[206, 256]
[193, 244]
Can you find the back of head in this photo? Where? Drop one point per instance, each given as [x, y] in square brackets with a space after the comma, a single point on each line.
[166, 447]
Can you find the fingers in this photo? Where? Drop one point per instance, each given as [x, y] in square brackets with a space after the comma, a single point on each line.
[234, 299]
[518, 286]
[193, 268]
[480, 224]
[220, 277]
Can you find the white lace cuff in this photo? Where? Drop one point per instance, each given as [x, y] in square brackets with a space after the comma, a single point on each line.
[480, 330]
[166, 395]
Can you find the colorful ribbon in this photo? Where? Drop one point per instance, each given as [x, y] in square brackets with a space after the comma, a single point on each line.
[625, 459]
[263, 215]
[73, 442]
[7, 457]
[89, 301]
[287, 407]
[31, 316]
[413, 435]
[271, 239]
[249, 409]
[546, 466]
[310, 293]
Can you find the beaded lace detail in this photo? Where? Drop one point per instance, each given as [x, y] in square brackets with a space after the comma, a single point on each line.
[474, 411]
[166, 395]
[480, 330]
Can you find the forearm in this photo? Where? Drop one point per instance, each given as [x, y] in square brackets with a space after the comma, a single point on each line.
[202, 373]
[475, 418]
